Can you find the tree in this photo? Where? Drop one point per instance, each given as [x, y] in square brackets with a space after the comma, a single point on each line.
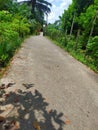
[41, 5]
[39, 8]
[4, 4]
[82, 5]
[68, 19]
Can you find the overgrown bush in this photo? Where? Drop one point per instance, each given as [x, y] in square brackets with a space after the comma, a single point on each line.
[12, 30]
[21, 26]
[92, 49]
[9, 42]
[57, 35]
[35, 26]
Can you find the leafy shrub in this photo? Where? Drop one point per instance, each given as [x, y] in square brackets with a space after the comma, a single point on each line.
[71, 43]
[21, 26]
[92, 49]
[12, 30]
[35, 26]
[5, 16]
[15, 24]
[57, 35]
[8, 44]
[64, 41]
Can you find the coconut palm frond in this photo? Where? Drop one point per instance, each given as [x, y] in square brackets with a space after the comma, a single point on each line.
[43, 8]
[44, 2]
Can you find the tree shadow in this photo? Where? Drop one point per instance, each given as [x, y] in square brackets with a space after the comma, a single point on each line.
[31, 110]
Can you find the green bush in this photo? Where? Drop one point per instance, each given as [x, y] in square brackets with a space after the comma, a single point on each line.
[64, 41]
[35, 26]
[9, 42]
[5, 16]
[92, 49]
[57, 35]
[12, 30]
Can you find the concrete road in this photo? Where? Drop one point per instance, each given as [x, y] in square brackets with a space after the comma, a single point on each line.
[55, 91]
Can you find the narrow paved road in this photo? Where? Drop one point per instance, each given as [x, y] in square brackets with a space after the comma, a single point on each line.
[54, 91]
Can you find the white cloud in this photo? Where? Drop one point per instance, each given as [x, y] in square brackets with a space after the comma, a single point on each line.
[57, 10]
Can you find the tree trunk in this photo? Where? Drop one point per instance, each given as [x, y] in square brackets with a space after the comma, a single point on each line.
[66, 32]
[33, 5]
[71, 30]
[94, 21]
[78, 34]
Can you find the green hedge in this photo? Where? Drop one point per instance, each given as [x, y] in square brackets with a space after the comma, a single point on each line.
[12, 31]
[92, 50]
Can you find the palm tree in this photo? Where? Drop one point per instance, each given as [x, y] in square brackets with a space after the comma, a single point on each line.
[41, 6]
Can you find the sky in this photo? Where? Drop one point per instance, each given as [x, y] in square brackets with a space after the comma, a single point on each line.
[57, 9]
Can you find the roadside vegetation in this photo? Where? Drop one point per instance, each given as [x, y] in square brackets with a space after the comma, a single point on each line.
[77, 31]
[17, 21]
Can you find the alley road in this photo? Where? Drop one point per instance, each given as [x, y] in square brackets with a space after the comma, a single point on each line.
[56, 92]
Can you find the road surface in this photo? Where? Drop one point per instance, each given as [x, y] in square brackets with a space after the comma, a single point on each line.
[52, 90]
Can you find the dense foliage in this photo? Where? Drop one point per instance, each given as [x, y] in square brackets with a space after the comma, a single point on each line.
[17, 21]
[11, 32]
[77, 31]
[39, 8]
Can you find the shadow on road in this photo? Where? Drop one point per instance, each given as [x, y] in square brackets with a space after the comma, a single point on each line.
[32, 112]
